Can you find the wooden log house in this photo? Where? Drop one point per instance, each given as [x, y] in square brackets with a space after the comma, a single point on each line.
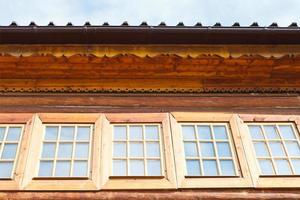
[149, 112]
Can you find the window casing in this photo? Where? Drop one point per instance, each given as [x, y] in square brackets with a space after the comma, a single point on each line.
[239, 176]
[36, 178]
[13, 179]
[143, 180]
[277, 178]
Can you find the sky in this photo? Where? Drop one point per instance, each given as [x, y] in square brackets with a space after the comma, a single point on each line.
[208, 12]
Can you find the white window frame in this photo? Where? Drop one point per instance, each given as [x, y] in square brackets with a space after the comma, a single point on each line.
[214, 141]
[144, 158]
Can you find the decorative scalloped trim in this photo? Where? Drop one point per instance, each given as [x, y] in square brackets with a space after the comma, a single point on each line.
[152, 91]
[148, 56]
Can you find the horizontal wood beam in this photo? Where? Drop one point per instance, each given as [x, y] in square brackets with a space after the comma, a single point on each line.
[151, 50]
[152, 85]
[125, 103]
[166, 195]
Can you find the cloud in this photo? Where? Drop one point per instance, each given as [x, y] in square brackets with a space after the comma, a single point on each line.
[153, 11]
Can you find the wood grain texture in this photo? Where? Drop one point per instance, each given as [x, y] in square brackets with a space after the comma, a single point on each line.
[164, 72]
[212, 194]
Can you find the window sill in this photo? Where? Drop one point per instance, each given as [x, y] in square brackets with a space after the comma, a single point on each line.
[136, 177]
[61, 178]
[212, 176]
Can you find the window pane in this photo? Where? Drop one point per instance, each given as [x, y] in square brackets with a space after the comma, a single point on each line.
[283, 167]
[6, 169]
[287, 132]
[67, 133]
[132, 153]
[210, 168]
[293, 148]
[153, 149]
[227, 168]
[271, 132]
[255, 132]
[120, 149]
[82, 150]
[63, 168]
[153, 167]
[51, 132]
[276, 149]
[193, 167]
[13, 134]
[266, 167]
[135, 132]
[261, 149]
[9, 151]
[296, 165]
[119, 168]
[48, 150]
[204, 132]
[136, 167]
[46, 168]
[136, 149]
[2, 132]
[220, 132]
[83, 133]
[151, 132]
[190, 149]
[207, 149]
[223, 149]
[188, 132]
[119, 132]
[65, 150]
[80, 168]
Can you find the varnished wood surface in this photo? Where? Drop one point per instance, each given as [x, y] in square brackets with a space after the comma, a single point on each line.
[223, 50]
[211, 194]
[131, 73]
[285, 104]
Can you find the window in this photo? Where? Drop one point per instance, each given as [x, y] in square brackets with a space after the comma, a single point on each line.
[276, 147]
[14, 132]
[208, 150]
[10, 136]
[137, 150]
[57, 151]
[66, 151]
[272, 147]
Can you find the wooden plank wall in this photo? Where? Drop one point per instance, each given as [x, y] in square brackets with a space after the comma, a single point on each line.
[247, 103]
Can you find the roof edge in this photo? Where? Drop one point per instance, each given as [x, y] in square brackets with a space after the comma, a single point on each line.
[149, 35]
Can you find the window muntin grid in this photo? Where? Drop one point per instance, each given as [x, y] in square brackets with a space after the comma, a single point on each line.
[208, 149]
[10, 136]
[137, 150]
[66, 150]
[276, 147]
